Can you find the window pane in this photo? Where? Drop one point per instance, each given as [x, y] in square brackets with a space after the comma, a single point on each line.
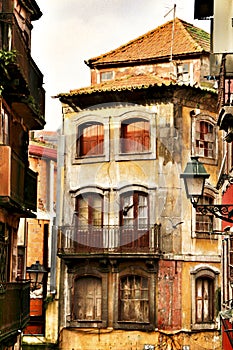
[205, 139]
[134, 299]
[204, 223]
[204, 300]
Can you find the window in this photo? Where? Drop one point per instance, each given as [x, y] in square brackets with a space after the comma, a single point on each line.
[134, 219]
[87, 303]
[135, 136]
[183, 72]
[90, 141]
[134, 299]
[104, 76]
[205, 297]
[204, 300]
[204, 223]
[205, 138]
[89, 221]
[89, 209]
[134, 210]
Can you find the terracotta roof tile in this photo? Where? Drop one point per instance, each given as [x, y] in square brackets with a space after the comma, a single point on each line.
[127, 83]
[157, 44]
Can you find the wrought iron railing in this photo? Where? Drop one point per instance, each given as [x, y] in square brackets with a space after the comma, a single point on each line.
[14, 308]
[75, 240]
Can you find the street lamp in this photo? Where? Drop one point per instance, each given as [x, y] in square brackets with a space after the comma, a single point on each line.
[36, 274]
[194, 177]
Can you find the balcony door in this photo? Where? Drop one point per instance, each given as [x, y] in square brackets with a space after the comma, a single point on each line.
[89, 220]
[134, 220]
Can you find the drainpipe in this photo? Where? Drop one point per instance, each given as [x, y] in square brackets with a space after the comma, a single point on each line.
[57, 223]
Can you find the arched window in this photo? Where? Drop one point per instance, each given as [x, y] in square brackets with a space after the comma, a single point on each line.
[90, 141]
[135, 135]
[204, 223]
[87, 301]
[205, 139]
[204, 299]
[134, 299]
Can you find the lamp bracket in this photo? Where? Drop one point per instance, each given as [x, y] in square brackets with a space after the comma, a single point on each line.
[220, 211]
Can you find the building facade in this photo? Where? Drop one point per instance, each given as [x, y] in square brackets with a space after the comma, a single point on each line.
[139, 268]
[38, 233]
[22, 109]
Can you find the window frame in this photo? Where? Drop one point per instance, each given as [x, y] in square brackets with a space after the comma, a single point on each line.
[206, 273]
[129, 141]
[77, 288]
[197, 118]
[136, 234]
[135, 113]
[132, 298]
[98, 138]
[78, 271]
[201, 299]
[135, 325]
[108, 73]
[78, 122]
[204, 220]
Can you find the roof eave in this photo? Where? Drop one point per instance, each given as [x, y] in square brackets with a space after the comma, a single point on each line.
[93, 64]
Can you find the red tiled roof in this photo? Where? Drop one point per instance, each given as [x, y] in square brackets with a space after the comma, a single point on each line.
[157, 43]
[127, 83]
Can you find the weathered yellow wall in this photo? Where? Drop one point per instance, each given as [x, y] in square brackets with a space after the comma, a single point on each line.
[89, 339]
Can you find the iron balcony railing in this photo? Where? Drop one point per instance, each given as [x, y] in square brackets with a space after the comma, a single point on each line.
[12, 38]
[14, 308]
[18, 182]
[114, 239]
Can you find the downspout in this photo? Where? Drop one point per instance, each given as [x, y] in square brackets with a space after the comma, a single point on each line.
[57, 223]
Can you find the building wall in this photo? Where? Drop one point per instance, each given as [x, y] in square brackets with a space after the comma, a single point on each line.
[183, 254]
[198, 70]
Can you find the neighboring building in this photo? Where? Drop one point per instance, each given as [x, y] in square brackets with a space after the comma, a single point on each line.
[139, 268]
[225, 183]
[38, 233]
[22, 100]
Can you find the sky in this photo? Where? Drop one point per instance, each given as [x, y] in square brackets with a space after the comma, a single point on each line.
[72, 31]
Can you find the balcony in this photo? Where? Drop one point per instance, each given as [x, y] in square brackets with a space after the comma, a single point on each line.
[14, 310]
[108, 240]
[18, 190]
[24, 84]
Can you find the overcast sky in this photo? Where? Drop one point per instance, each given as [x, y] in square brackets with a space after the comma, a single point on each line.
[71, 31]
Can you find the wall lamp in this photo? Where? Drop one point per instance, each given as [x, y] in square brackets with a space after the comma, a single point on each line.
[194, 177]
[36, 274]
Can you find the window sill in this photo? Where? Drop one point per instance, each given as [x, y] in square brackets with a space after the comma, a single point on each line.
[205, 326]
[87, 324]
[90, 159]
[135, 156]
[133, 325]
[205, 235]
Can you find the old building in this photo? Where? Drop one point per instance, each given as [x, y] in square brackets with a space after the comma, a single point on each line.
[22, 109]
[38, 234]
[139, 268]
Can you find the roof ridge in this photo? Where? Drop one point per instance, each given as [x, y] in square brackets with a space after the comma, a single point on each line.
[187, 33]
